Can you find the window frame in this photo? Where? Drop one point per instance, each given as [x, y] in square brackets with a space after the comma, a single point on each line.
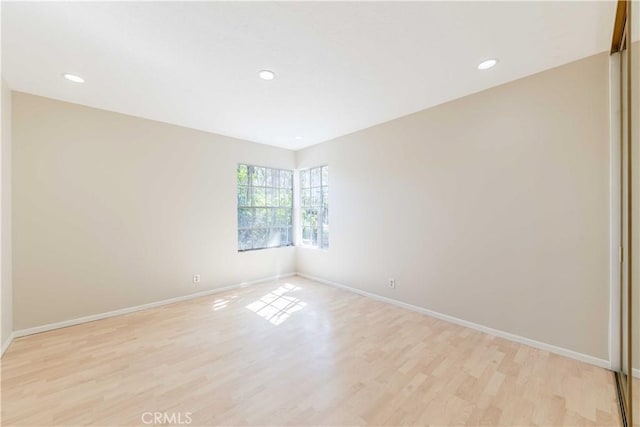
[269, 207]
[322, 207]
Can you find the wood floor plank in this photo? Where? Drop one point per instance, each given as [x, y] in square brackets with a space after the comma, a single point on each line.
[294, 352]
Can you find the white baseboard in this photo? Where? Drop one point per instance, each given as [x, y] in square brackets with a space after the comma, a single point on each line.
[6, 344]
[506, 335]
[93, 317]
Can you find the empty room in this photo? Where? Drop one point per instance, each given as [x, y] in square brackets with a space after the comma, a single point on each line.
[320, 213]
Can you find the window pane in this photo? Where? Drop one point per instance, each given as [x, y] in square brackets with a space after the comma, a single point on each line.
[325, 175]
[315, 177]
[258, 177]
[261, 218]
[286, 179]
[259, 236]
[275, 202]
[269, 197]
[244, 240]
[286, 198]
[304, 179]
[268, 178]
[274, 239]
[245, 217]
[243, 199]
[305, 197]
[243, 175]
[306, 233]
[281, 217]
[316, 196]
[258, 198]
[325, 239]
[325, 196]
[309, 218]
[285, 236]
[325, 217]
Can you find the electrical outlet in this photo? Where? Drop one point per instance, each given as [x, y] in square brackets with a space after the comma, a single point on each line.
[392, 283]
[196, 278]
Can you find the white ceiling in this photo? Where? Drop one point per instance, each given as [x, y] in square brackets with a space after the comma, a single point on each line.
[340, 66]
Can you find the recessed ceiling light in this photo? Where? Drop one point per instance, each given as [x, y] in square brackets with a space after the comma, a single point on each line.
[485, 65]
[73, 78]
[267, 75]
[298, 138]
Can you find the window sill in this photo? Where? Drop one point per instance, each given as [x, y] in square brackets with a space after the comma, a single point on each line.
[316, 248]
[241, 251]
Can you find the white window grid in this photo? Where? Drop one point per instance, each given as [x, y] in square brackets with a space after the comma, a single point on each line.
[314, 207]
[265, 207]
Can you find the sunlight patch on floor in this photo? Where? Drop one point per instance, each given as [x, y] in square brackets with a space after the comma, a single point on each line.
[277, 306]
[221, 303]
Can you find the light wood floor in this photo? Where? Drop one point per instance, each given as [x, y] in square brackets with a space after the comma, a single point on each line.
[294, 352]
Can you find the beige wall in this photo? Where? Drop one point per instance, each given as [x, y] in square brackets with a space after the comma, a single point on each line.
[6, 314]
[113, 211]
[493, 208]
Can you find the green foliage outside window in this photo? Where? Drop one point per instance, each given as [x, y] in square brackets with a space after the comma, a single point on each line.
[265, 206]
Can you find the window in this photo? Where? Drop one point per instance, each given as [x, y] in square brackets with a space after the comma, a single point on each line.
[265, 206]
[314, 206]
